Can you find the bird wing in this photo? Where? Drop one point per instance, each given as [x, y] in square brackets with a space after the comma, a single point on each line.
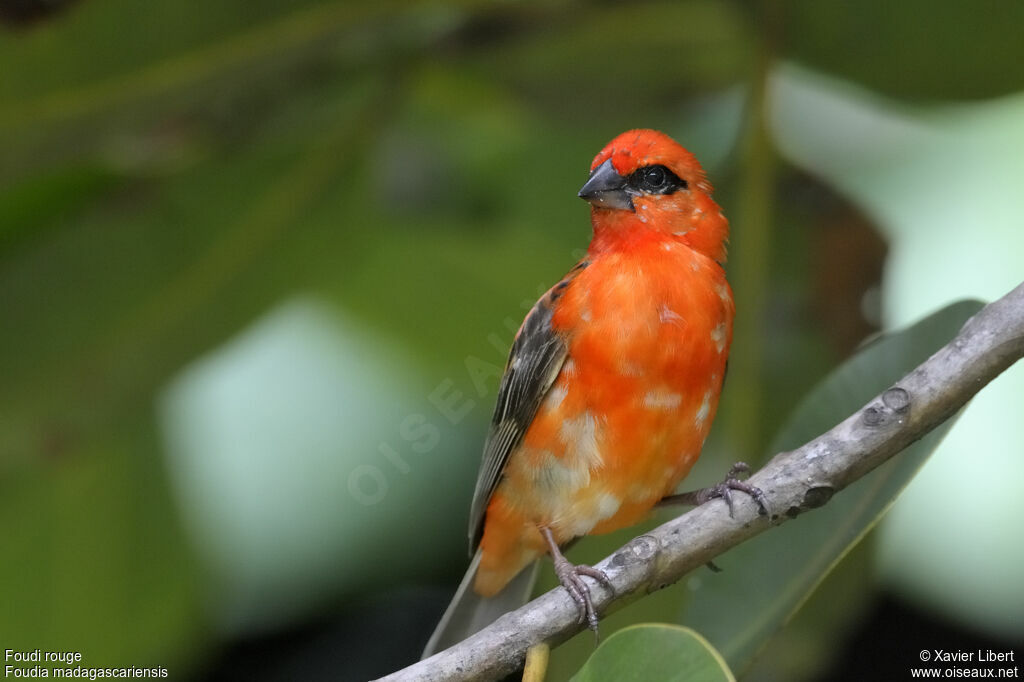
[534, 362]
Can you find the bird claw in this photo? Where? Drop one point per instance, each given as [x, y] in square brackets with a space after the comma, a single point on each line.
[730, 483]
[571, 578]
[722, 490]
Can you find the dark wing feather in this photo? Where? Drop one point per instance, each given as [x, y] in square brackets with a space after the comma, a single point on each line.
[534, 362]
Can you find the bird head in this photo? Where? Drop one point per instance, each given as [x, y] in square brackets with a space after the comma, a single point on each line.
[645, 183]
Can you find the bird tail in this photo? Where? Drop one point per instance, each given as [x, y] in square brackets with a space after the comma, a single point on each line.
[468, 612]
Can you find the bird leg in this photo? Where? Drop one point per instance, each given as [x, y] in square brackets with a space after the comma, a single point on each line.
[722, 490]
[570, 576]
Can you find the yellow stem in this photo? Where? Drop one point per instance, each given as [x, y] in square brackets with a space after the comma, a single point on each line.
[536, 662]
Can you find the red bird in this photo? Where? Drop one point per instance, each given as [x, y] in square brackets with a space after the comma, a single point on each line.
[612, 381]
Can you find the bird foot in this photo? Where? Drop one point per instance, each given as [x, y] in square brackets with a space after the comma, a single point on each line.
[722, 490]
[571, 577]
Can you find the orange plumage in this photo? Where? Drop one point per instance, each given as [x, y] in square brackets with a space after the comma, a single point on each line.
[614, 379]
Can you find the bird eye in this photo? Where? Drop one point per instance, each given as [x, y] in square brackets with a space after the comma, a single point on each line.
[656, 180]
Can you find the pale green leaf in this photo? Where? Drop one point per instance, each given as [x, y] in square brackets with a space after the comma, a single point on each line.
[651, 651]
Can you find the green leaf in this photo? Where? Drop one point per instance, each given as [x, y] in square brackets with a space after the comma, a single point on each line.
[767, 579]
[655, 652]
[911, 49]
[699, 44]
[41, 202]
[94, 559]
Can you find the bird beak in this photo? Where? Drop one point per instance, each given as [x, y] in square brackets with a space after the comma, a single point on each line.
[606, 188]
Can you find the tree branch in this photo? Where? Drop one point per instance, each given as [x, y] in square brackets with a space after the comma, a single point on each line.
[794, 482]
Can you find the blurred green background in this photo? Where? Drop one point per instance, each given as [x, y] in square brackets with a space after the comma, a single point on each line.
[260, 263]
